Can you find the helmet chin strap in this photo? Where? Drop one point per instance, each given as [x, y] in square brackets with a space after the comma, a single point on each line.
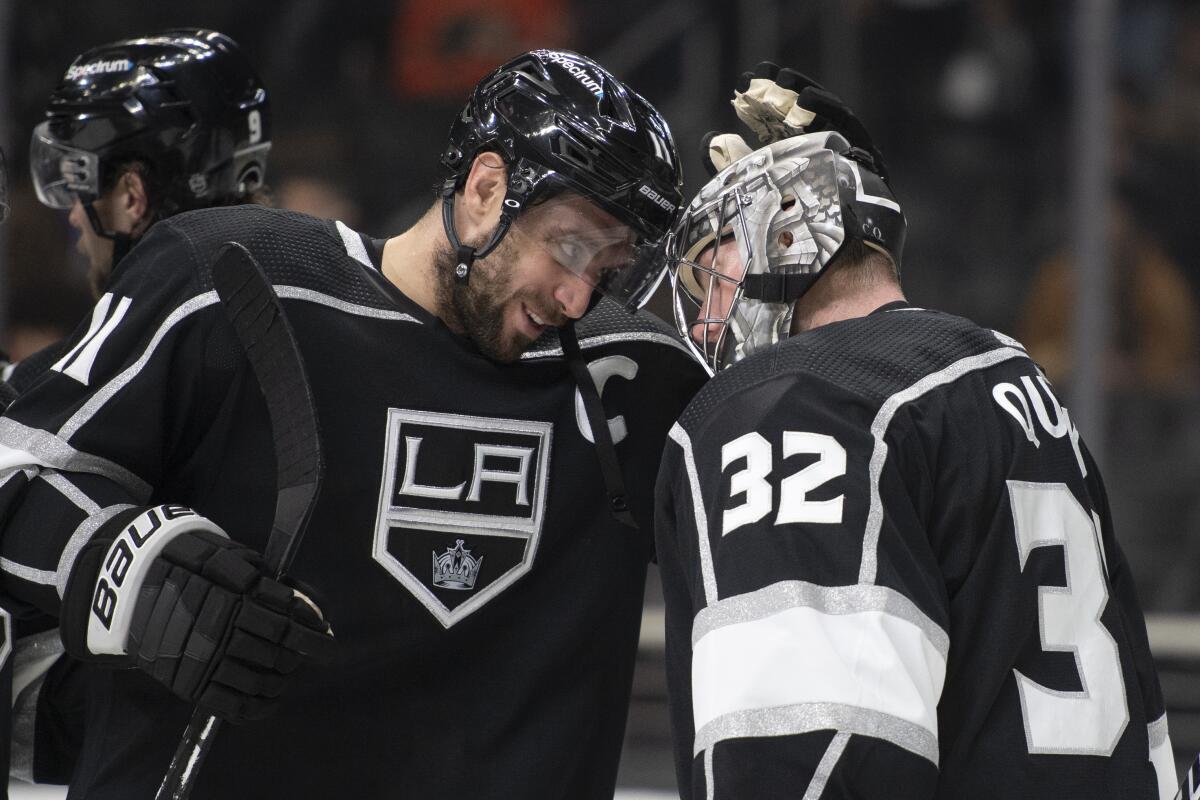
[465, 254]
[122, 242]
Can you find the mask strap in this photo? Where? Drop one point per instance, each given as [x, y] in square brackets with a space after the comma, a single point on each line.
[606, 451]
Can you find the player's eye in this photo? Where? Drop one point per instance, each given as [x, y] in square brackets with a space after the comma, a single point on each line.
[570, 254]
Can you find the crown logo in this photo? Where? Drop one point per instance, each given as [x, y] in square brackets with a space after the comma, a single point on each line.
[456, 568]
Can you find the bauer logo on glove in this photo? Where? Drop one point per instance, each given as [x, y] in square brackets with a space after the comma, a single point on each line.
[124, 568]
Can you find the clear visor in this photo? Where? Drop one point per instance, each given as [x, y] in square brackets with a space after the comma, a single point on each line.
[3, 188]
[591, 244]
[708, 266]
[61, 173]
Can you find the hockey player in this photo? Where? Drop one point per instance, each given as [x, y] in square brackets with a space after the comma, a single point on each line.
[888, 559]
[144, 128]
[473, 545]
[137, 131]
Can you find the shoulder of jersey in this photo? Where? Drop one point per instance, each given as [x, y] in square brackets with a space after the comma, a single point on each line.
[875, 357]
[608, 323]
[299, 252]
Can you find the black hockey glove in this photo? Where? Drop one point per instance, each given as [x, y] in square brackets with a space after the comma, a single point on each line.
[778, 103]
[165, 590]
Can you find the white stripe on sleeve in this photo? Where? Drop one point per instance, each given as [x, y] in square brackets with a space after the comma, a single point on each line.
[870, 667]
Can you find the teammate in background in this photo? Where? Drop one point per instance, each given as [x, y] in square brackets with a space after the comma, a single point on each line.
[137, 131]
[888, 559]
[142, 129]
[486, 458]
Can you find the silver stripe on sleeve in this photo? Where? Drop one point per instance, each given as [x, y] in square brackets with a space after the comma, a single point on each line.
[680, 436]
[116, 384]
[816, 787]
[869, 565]
[354, 244]
[70, 491]
[826, 599]
[808, 717]
[42, 576]
[1157, 731]
[82, 535]
[610, 338]
[301, 293]
[22, 446]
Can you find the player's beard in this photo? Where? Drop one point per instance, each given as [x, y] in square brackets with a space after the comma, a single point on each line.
[477, 309]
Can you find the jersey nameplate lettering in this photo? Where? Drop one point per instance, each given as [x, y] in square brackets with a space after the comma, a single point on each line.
[1025, 402]
[462, 500]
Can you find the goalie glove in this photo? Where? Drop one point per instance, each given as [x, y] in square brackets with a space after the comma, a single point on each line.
[780, 103]
[165, 590]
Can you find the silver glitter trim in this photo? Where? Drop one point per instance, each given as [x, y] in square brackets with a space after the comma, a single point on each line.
[680, 436]
[39, 448]
[116, 384]
[827, 599]
[808, 717]
[600, 341]
[311, 296]
[42, 576]
[816, 787]
[354, 244]
[70, 491]
[82, 535]
[1158, 732]
[869, 565]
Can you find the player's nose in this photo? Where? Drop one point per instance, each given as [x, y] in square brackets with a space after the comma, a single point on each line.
[573, 294]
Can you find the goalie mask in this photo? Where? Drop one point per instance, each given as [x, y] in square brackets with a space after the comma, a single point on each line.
[762, 231]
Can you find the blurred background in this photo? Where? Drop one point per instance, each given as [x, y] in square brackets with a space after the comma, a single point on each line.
[1047, 156]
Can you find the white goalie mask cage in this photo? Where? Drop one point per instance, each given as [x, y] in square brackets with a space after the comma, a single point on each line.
[758, 235]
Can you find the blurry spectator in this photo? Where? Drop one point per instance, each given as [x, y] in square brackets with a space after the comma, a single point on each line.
[319, 197]
[1153, 304]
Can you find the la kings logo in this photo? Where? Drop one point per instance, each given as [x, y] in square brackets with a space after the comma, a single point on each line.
[462, 501]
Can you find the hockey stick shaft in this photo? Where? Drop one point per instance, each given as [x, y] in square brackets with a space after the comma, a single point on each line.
[267, 338]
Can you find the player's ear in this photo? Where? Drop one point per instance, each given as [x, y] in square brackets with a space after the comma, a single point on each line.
[132, 203]
[483, 194]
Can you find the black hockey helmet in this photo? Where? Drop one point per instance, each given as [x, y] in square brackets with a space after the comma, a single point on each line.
[563, 123]
[186, 102]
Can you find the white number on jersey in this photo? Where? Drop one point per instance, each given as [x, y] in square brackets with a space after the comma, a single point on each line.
[794, 505]
[1092, 720]
[254, 123]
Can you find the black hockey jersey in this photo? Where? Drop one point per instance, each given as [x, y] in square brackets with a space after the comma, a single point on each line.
[890, 572]
[485, 601]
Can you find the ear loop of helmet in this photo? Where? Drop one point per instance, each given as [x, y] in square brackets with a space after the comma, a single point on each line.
[520, 185]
